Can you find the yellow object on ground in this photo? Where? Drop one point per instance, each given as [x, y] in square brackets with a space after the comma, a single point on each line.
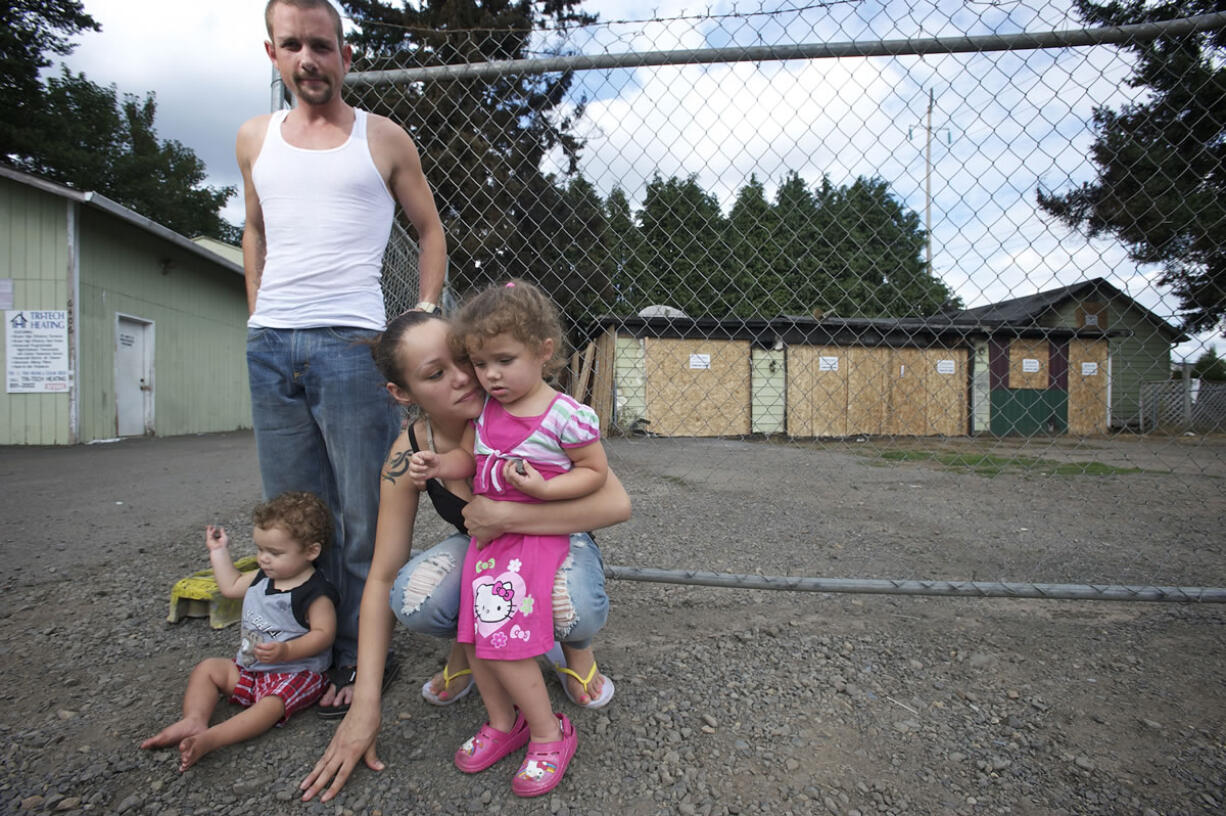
[197, 596]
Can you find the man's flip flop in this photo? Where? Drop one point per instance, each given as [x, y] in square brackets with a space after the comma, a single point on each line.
[434, 699]
[342, 676]
[557, 659]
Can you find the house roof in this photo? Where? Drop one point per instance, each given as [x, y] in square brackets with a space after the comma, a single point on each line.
[864, 331]
[1032, 308]
[101, 202]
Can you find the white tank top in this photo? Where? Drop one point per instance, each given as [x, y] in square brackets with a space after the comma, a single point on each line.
[327, 217]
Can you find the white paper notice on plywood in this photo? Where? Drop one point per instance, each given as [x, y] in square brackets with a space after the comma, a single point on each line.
[827, 363]
[946, 367]
[1089, 369]
[700, 361]
[1030, 365]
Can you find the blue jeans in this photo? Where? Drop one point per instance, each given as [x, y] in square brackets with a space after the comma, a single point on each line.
[426, 594]
[323, 423]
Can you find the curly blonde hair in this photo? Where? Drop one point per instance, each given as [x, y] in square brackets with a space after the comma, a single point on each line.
[516, 308]
[302, 515]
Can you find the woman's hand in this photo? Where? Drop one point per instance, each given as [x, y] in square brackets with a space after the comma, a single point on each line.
[354, 739]
[485, 519]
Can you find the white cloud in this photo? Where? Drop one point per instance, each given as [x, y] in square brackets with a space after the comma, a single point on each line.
[205, 62]
[1004, 123]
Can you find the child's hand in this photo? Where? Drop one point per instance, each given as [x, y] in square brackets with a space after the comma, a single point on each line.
[272, 651]
[215, 538]
[423, 465]
[530, 482]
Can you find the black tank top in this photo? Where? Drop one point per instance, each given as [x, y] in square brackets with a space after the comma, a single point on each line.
[448, 505]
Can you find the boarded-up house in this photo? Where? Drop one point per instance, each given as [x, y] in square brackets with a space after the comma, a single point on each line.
[838, 377]
[1042, 355]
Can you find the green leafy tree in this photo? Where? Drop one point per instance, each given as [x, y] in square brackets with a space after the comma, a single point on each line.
[92, 140]
[29, 30]
[484, 142]
[1161, 186]
[77, 132]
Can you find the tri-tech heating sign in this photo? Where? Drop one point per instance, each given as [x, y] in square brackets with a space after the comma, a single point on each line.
[36, 351]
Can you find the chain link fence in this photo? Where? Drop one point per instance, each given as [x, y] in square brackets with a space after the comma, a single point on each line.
[844, 221]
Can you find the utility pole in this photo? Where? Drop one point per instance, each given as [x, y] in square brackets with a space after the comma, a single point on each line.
[928, 179]
[928, 187]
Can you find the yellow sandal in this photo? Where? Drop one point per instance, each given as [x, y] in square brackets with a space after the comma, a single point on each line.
[435, 699]
[558, 659]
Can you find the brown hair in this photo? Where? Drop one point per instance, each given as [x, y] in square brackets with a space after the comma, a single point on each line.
[385, 348]
[302, 515]
[516, 308]
[306, 5]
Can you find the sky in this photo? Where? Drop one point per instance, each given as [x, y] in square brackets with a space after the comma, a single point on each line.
[207, 67]
[1002, 126]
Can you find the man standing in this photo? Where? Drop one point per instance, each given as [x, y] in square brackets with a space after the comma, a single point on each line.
[320, 185]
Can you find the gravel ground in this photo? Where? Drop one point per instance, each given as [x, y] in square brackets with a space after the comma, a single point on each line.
[728, 701]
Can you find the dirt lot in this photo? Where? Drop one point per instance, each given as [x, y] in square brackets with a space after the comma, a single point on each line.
[729, 701]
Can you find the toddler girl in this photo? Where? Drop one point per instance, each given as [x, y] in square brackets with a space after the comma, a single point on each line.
[531, 444]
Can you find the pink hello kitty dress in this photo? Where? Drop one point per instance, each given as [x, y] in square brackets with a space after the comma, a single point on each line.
[506, 593]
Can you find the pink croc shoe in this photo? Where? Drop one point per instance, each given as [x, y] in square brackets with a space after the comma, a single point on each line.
[546, 762]
[489, 745]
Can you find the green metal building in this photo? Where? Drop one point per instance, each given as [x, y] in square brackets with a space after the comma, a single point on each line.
[155, 324]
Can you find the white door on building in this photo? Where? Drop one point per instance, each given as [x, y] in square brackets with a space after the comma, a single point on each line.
[133, 375]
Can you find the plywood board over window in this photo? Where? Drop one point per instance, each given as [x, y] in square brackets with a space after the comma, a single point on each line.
[817, 391]
[1029, 364]
[868, 384]
[698, 387]
[1087, 387]
[927, 392]
[946, 378]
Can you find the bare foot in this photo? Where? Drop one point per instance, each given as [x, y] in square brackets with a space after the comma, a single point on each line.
[440, 688]
[174, 734]
[191, 749]
[580, 662]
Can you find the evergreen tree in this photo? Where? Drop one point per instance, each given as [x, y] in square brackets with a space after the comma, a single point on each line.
[873, 254]
[754, 238]
[1161, 186]
[802, 259]
[483, 142]
[625, 256]
[685, 252]
[1209, 366]
[851, 251]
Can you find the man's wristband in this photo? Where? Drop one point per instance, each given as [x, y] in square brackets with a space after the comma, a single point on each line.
[428, 307]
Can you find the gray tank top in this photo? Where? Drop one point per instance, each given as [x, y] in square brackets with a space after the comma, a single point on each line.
[271, 614]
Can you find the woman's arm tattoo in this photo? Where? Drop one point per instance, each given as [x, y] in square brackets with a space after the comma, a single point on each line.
[397, 465]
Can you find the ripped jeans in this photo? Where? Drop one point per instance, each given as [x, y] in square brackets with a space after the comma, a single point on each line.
[426, 594]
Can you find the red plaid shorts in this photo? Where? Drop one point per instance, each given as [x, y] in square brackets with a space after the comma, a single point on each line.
[297, 690]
